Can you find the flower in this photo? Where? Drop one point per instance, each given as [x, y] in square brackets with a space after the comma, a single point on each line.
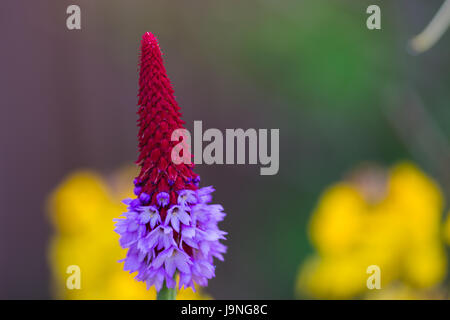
[163, 199]
[160, 238]
[81, 209]
[177, 214]
[386, 218]
[149, 214]
[170, 227]
[186, 197]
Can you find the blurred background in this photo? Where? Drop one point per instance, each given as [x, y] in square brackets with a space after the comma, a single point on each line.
[364, 153]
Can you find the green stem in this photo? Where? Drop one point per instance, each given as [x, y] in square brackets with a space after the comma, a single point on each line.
[166, 293]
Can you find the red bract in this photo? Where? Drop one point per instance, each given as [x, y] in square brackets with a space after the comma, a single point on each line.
[159, 115]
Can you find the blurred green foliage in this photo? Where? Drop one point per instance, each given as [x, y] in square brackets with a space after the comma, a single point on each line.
[318, 52]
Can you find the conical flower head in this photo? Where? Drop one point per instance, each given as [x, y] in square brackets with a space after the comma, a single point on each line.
[170, 227]
[159, 116]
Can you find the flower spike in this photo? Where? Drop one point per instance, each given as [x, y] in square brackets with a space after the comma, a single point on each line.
[170, 227]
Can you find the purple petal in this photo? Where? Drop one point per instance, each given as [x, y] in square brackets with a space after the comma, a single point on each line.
[127, 201]
[175, 223]
[152, 238]
[156, 218]
[186, 281]
[188, 232]
[182, 265]
[168, 217]
[132, 226]
[170, 266]
[170, 282]
[163, 199]
[162, 256]
[184, 217]
[145, 198]
[187, 196]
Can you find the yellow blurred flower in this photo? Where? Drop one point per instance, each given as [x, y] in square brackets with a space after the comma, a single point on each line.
[397, 291]
[389, 219]
[447, 229]
[82, 209]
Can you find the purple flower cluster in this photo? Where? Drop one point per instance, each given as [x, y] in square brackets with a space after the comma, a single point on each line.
[164, 239]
